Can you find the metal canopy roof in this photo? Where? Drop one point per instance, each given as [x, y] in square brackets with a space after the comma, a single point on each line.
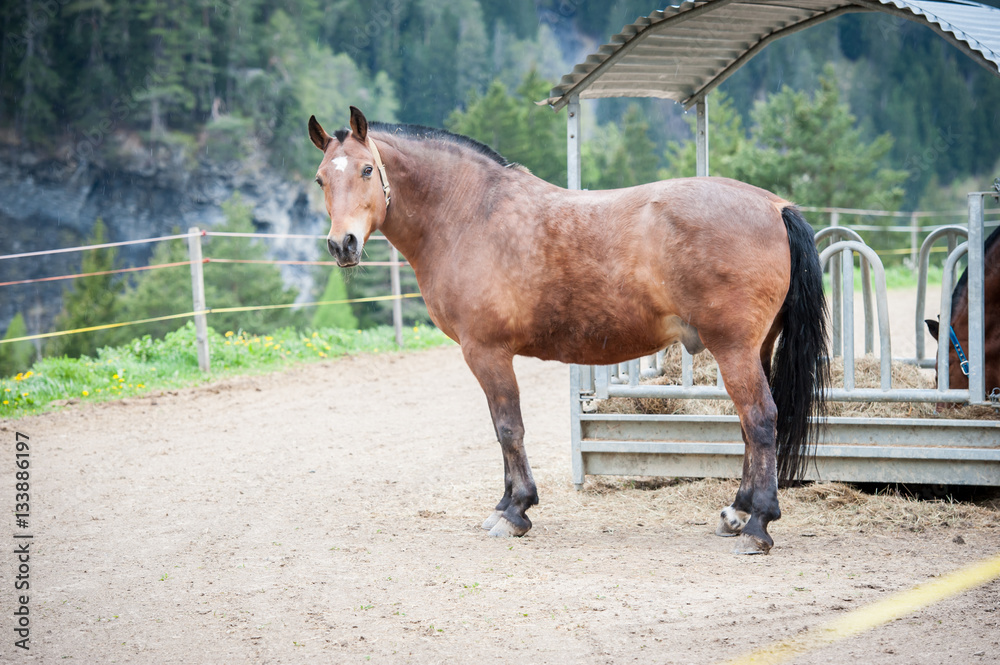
[685, 51]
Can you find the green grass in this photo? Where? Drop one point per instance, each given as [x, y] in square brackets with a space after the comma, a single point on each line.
[146, 365]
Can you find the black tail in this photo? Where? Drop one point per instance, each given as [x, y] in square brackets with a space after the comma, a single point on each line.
[800, 372]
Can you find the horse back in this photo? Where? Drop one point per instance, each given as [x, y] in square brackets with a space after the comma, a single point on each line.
[592, 277]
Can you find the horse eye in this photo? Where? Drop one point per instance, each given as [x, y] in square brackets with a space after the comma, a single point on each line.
[319, 181]
[366, 172]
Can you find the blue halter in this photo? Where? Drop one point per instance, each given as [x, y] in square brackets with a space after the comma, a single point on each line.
[964, 362]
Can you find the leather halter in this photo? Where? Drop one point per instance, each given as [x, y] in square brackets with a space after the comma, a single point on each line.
[381, 169]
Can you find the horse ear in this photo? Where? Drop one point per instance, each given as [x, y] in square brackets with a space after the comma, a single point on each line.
[932, 326]
[359, 124]
[318, 135]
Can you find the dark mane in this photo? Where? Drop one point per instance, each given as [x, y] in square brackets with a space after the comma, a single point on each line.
[961, 292]
[421, 133]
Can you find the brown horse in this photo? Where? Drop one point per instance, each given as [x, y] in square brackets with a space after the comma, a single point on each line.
[960, 319]
[509, 264]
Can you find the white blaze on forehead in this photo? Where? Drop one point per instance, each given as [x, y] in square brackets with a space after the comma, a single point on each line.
[340, 163]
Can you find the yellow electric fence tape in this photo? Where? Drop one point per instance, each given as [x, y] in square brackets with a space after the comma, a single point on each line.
[249, 308]
[875, 615]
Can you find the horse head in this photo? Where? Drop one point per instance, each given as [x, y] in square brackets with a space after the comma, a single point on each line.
[354, 186]
[956, 379]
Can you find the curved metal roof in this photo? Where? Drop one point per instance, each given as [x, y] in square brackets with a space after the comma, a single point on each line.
[685, 51]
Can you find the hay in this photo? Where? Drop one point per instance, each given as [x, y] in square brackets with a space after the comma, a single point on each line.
[867, 374]
[834, 505]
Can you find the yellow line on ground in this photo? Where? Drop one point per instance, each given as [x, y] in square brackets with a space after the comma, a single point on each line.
[875, 615]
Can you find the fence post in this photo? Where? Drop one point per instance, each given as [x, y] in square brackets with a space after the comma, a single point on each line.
[397, 303]
[836, 290]
[914, 245]
[198, 298]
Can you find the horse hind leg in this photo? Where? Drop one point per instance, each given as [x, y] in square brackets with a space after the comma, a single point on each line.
[758, 494]
[734, 517]
[495, 371]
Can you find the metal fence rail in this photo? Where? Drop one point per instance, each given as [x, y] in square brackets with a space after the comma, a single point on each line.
[196, 261]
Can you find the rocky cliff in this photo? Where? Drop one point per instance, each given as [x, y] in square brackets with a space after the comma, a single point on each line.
[47, 202]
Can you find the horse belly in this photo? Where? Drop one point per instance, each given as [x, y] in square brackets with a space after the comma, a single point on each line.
[602, 340]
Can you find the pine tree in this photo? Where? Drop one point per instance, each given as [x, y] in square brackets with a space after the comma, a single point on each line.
[39, 80]
[158, 292]
[810, 150]
[516, 128]
[334, 316]
[166, 22]
[16, 356]
[726, 137]
[93, 301]
[375, 281]
[633, 161]
[245, 284]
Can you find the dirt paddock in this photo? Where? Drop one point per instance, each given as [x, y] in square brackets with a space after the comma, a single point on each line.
[329, 514]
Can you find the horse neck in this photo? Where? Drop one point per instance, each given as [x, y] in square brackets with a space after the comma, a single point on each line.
[434, 187]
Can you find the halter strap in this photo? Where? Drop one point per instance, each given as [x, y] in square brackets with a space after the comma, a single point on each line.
[963, 361]
[381, 169]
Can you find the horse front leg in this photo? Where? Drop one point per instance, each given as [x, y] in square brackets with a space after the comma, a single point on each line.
[494, 369]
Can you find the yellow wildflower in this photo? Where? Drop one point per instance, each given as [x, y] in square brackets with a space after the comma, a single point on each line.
[229, 333]
[85, 393]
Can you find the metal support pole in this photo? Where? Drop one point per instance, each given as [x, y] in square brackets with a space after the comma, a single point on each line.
[701, 138]
[977, 379]
[576, 427]
[573, 181]
[573, 144]
[198, 298]
[397, 303]
[847, 279]
[836, 290]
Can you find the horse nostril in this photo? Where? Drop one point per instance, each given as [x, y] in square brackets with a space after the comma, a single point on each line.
[332, 247]
[350, 243]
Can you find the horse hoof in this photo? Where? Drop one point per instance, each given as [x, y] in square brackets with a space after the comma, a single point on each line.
[747, 544]
[504, 528]
[731, 522]
[492, 520]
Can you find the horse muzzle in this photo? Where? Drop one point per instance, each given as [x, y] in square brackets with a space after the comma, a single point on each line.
[347, 251]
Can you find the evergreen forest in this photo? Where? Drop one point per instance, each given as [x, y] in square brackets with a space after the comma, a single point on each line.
[861, 111]
[221, 77]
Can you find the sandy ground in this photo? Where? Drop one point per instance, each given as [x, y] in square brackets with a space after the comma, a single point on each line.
[329, 514]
